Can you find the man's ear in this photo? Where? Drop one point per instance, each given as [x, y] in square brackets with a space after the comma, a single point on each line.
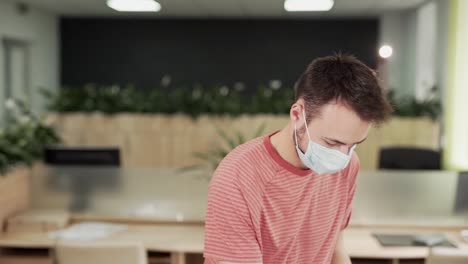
[295, 112]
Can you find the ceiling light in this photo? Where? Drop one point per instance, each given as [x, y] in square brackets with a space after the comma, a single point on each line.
[134, 5]
[385, 51]
[308, 5]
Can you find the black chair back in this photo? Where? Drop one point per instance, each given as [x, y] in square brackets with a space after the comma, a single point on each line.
[403, 158]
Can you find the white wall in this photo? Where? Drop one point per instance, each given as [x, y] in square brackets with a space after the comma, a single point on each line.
[398, 29]
[391, 33]
[442, 46]
[40, 28]
[426, 49]
[418, 38]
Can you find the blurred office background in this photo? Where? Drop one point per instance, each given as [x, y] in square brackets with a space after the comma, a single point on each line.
[115, 114]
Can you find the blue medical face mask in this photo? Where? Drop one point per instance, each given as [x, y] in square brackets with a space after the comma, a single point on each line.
[321, 159]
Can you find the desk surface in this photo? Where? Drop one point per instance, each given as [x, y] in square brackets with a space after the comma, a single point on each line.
[189, 239]
[360, 243]
[166, 238]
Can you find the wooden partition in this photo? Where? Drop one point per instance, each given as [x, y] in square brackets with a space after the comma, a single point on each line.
[158, 140]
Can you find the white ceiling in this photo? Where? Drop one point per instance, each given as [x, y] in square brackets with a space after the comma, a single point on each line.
[224, 8]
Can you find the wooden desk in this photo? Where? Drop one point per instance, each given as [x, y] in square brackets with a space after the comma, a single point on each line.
[361, 244]
[179, 240]
[163, 238]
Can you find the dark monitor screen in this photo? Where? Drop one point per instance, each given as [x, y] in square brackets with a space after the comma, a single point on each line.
[461, 201]
[85, 156]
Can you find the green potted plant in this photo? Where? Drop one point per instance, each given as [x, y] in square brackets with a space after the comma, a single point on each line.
[23, 138]
[213, 100]
[208, 161]
[405, 106]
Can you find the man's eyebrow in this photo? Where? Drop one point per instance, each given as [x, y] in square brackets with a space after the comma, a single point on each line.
[342, 143]
[335, 141]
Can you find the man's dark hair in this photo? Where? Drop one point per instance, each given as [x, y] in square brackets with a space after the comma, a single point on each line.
[345, 79]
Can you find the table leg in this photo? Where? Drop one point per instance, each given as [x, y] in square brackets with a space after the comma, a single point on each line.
[177, 258]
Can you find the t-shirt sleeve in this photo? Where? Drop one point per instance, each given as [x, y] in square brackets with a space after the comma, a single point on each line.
[229, 231]
[352, 171]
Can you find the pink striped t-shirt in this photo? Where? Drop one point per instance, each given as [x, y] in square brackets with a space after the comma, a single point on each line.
[263, 209]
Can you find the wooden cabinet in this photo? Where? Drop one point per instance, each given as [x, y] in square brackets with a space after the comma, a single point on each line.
[25, 256]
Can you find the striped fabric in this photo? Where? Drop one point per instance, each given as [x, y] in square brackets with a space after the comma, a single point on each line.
[262, 209]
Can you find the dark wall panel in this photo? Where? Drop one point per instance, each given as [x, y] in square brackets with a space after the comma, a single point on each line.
[141, 51]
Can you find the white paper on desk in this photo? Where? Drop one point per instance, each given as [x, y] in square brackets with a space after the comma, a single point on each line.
[87, 231]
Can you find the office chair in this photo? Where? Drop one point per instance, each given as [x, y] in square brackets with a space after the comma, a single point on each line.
[407, 158]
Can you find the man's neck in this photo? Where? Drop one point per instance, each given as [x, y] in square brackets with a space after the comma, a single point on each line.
[283, 143]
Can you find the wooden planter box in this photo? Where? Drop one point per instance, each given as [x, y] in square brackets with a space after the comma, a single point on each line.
[14, 190]
[159, 140]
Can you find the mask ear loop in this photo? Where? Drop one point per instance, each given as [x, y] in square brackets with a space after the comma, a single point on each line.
[352, 149]
[305, 121]
[295, 128]
[295, 133]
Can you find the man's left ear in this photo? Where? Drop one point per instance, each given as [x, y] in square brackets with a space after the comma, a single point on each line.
[295, 112]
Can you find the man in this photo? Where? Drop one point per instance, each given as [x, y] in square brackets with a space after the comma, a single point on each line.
[286, 197]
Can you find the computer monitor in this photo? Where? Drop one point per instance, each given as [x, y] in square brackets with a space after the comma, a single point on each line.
[81, 171]
[82, 156]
